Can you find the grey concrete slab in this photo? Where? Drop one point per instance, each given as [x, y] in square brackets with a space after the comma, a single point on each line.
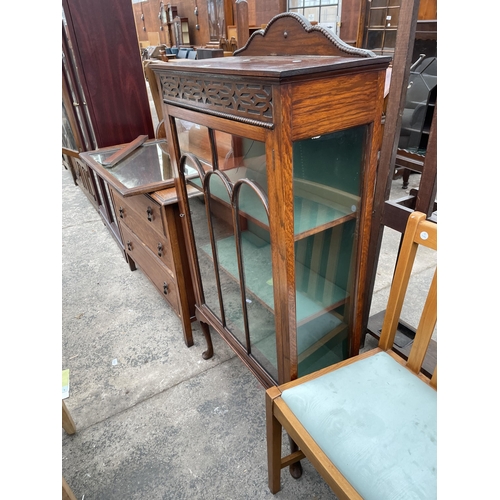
[121, 341]
[154, 420]
[203, 438]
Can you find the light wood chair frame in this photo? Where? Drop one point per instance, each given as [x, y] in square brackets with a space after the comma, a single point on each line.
[69, 426]
[419, 231]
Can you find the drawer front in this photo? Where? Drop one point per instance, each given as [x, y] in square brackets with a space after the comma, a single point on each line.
[157, 242]
[148, 212]
[151, 266]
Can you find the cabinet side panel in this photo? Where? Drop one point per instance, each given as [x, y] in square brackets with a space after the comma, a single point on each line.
[330, 104]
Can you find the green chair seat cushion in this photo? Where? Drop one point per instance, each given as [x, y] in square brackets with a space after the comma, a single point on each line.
[377, 423]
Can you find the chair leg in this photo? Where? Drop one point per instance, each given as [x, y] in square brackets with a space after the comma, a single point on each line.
[406, 177]
[67, 493]
[273, 429]
[295, 468]
[67, 421]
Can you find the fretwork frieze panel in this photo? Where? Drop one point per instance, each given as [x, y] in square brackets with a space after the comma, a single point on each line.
[251, 103]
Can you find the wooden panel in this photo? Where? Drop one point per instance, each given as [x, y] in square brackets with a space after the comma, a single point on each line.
[151, 266]
[353, 104]
[265, 11]
[349, 21]
[86, 181]
[427, 9]
[154, 38]
[156, 242]
[103, 36]
[144, 207]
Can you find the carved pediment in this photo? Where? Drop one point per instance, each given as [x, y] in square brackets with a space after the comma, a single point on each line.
[290, 34]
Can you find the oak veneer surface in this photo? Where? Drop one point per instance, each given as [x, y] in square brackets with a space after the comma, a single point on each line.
[274, 66]
[266, 98]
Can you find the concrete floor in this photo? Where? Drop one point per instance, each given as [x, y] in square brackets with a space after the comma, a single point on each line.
[154, 420]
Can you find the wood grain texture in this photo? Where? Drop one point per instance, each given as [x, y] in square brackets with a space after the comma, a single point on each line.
[242, 33]
[280, 192]
[107, 52]
[124, 151]
[362, 303]
[292, 33]
[323, 105]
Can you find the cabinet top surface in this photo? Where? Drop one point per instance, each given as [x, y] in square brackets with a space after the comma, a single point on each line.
[272, 66]
[145, 170]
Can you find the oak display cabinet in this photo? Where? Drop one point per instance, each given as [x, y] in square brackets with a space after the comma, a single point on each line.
[281, 142]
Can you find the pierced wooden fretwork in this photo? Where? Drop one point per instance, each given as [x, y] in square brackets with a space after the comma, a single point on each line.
[246, 102]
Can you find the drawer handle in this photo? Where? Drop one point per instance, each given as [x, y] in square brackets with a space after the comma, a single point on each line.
[165, 287]
[129, 246]
[160, 249]
[150, 214]
[121, 212]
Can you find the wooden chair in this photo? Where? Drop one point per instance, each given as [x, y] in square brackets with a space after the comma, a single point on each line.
[367, 424]
[70, 428]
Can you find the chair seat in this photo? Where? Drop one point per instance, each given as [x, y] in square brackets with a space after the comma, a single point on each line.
[360, 415]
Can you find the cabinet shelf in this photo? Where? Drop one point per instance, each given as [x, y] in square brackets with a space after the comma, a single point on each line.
[317, 324]
[260, 284]
[316, 207]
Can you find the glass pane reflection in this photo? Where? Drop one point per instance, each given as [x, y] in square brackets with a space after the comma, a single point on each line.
[146, 165]
[247, 312]
[327, 189]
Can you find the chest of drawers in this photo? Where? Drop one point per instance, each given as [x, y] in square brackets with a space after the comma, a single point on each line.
[152, 236]
[146, 209]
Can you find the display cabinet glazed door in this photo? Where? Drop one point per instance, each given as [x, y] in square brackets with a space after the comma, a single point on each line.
[327, 175]
[232, 240]
[230, 231]
[282, 153]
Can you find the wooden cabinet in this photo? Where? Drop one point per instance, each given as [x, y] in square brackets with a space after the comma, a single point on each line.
[147, 213]
[107, 81]
[151, 232]
[281, 143]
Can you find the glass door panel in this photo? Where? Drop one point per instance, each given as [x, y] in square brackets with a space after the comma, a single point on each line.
[194, 139]
[327, 189]
[254, 241]
[231, 229]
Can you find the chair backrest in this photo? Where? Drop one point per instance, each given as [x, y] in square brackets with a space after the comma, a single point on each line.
[192, 54]
[182, 54]
[419, 232]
